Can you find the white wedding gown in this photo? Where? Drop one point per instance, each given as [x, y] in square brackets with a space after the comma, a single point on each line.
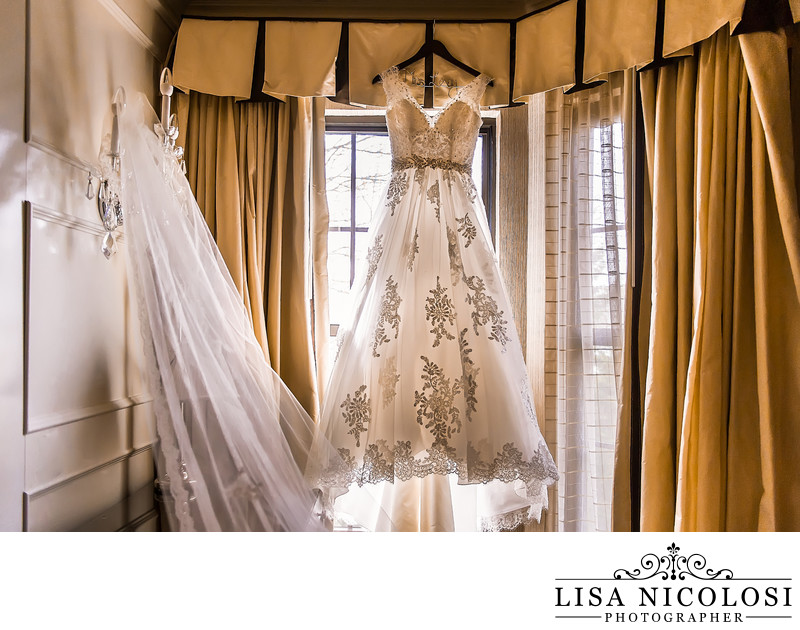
[429, 381]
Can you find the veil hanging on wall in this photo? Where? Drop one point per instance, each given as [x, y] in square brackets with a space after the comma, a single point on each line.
[231, 441]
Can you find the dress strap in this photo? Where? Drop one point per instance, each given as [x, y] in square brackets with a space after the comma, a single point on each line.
[472, 93]
[393, 85]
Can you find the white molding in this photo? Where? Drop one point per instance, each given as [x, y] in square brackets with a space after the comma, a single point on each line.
[13, 52]
[30, 496]
[68, 158]
[68, 221]
[43, 213]
[136, 510]
[136, 523]
[133, 28]
[171, 17]
[45, 421]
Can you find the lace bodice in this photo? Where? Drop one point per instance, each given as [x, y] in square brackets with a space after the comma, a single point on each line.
[449, 135]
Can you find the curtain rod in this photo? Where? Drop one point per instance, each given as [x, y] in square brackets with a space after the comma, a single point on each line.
[378, 20]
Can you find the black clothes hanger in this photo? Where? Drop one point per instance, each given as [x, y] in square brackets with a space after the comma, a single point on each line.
[430, 48]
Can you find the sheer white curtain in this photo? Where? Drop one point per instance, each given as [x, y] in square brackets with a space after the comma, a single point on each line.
[586, 263]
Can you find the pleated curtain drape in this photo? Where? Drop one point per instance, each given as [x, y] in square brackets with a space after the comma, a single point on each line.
[721, 422]
[252, 169]
[320, 222]
[587, 171]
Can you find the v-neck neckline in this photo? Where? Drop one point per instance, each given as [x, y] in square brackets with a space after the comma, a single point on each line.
[433, 120]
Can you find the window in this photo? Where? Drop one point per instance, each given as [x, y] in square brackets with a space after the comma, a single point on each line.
[358, 167]
[586, 265]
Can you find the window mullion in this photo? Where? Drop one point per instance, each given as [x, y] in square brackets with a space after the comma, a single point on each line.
[352, 208]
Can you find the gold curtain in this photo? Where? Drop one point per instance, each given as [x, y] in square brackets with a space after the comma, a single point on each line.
[720, 417]
[621, 487]
[250, 167]
[320, 220]
[776, 234]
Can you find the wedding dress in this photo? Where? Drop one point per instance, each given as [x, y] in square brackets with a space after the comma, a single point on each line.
[429, 378]
[231, 441]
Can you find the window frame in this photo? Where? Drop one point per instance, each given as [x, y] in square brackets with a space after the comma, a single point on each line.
[376, 125]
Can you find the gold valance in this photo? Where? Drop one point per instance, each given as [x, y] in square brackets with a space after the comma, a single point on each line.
[546, 50]
[535, 53]
[375, 47]
[690, 21]
[622, 36]
[300, 58]
[215, 56]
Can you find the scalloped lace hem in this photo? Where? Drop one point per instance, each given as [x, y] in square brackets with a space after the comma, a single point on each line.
[511, 520]
[387, 464]
[383, 463]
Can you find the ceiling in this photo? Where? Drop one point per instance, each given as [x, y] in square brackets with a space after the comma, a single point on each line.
[366, 9]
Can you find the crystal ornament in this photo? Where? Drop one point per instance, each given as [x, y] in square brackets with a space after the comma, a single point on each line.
[109, 245]
[89, 186]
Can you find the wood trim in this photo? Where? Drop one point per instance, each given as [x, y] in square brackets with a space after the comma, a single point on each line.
[26, 120]
[536, 254]
[27, 213]
[50, 149]
[25, 511]
[512, 215]
[30, 496]
[68, 221]
[126, 515]
[170, 16]
[547, 7]
[139, 521]
[255, 9]
[354, 20]
[60, 418]
[512, 61]
[82, 166]
[133, 29]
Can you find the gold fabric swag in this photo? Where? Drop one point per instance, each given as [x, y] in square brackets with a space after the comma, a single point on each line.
[300, 57]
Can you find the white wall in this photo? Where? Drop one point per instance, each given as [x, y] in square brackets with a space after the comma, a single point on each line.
[73, 431]
[12, 194]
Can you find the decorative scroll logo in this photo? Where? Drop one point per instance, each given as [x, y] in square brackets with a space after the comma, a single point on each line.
[673, 587]
[673, 567]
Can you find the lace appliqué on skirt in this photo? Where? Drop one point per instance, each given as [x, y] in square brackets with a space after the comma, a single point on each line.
[388, 315]
[440, 311]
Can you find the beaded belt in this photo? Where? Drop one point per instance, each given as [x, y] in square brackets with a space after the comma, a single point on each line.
[417, 161]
